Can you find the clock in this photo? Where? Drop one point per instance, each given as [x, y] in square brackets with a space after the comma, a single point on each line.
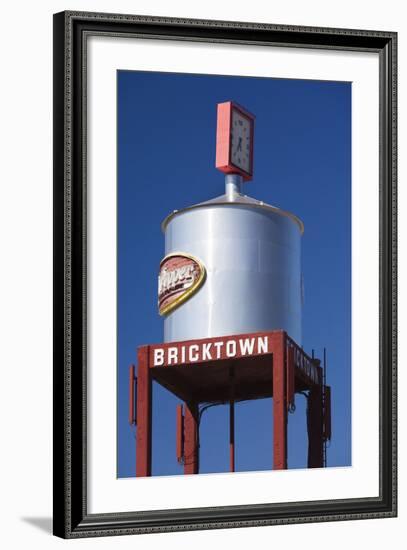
[234, 140]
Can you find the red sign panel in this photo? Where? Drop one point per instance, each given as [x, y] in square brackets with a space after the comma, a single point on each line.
[208, 350]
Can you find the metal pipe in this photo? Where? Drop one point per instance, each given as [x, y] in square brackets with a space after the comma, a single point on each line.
[233, 186]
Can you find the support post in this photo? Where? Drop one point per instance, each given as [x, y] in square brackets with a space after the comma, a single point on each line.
[132, 396]
[290, 377]
[315, 428]
[232, 434]
[327, 414]
[232, 420]
[144, 416]
[180, 434]
[191, 438]
[279, 402]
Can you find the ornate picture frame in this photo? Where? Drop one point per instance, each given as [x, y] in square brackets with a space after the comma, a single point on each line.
[72, 517]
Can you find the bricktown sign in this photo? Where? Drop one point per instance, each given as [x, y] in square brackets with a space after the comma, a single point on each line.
[213, 349]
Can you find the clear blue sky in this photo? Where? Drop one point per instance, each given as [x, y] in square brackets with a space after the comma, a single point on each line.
[166, 161]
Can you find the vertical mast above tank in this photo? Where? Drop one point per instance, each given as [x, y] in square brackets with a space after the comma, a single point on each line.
[233, 186]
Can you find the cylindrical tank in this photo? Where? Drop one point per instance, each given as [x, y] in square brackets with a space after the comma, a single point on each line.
[252, 255]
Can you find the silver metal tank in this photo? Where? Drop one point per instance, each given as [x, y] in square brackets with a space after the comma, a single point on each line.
[252, 255]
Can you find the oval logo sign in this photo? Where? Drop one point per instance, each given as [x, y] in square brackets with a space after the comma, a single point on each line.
[180, 277]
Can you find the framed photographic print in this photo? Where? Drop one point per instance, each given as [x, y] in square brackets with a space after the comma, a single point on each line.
[224, 274]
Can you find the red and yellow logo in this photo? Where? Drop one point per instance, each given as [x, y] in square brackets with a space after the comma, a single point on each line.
[181, 275]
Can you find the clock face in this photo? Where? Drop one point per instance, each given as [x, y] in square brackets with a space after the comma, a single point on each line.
[240, 154]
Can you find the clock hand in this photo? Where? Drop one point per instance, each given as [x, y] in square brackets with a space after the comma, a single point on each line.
[239, 145]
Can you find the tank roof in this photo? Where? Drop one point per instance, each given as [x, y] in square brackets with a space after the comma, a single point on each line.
[237, 199]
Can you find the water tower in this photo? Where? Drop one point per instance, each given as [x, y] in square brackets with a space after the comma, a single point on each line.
[230, 293]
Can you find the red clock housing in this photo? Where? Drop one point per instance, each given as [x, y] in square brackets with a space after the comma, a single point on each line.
[224, 139]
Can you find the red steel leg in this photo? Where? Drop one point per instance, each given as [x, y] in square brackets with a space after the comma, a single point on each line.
[315, 437]
[180, 434]
[132, 380]
[232, 435]
[279, 402]
[144, 423]
[290, 377]
[191, 451]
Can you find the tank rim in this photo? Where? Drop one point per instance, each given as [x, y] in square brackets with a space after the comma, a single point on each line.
[240, 200]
